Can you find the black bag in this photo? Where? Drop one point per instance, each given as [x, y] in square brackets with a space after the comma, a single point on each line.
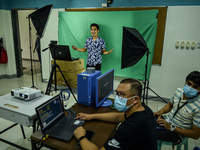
[168, 136]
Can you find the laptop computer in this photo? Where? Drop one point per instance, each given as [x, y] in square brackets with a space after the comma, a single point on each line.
[62, 52]
[54, 122]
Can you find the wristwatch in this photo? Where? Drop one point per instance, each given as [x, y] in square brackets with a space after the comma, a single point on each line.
[172, 127]
[82, 137]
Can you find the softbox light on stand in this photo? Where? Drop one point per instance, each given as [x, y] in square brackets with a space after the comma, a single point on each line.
[134, 48]
[39, 19]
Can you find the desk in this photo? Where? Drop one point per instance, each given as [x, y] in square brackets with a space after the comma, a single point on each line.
[102, 131]
[19, 111]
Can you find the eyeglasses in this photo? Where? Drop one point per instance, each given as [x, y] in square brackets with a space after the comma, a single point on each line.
[115, 93]
[121, 95]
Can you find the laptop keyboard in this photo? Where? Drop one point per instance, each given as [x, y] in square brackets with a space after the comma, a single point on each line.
[61, 126]
[72, 128]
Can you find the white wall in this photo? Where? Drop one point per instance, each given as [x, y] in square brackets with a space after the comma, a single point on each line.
[50, 34]
[7, 35]
[24, 34]
[182, 24]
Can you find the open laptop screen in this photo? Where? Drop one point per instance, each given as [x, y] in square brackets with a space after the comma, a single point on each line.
[60, 52]
[49, 111]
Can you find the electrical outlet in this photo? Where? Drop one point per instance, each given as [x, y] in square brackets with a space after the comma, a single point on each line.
[104, 4]
[177, 44]
[182, 45]
[198, 45]
[193, 45]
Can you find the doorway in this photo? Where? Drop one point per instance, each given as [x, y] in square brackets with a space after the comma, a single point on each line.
[23, 36]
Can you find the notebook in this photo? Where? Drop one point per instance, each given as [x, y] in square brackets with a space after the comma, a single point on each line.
[53, 120]
[62, 52]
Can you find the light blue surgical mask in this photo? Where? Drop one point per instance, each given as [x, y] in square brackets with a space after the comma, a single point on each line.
[120, 103]
[189, 91]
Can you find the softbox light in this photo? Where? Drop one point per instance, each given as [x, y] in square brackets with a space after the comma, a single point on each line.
[39, 19]
[133, 47]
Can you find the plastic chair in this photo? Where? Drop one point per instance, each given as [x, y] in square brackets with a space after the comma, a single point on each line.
[178, 146]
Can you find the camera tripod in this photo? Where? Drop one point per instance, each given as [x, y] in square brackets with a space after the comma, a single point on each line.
[53, 71]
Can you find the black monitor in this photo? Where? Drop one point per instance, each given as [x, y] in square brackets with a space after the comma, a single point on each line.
[104, 87]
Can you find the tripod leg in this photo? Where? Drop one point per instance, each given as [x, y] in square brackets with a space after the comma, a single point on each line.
[66, 83]
[48, 90]
[157, 95]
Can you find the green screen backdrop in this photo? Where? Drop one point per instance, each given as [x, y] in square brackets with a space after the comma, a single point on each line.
[74, 29]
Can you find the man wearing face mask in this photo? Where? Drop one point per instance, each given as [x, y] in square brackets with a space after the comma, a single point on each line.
[137, 124]
[183, 112]
[95, 46]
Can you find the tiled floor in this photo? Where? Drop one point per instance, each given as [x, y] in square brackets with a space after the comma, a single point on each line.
[15, 135]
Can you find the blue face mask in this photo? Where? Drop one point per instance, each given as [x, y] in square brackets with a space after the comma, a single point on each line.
[189, 91]
[120, 103]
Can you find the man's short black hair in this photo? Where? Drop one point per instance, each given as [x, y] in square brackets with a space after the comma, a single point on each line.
[136, 86]
[194, 76]
[94, 24]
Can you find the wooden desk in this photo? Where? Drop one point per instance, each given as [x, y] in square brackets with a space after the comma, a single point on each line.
[102, 131]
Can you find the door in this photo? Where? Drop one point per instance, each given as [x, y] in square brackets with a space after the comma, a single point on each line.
[27, 59]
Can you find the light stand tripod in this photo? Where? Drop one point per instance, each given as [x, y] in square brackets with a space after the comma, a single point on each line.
[134, 47]
[53, 71]
[146, 82]
[33, 86]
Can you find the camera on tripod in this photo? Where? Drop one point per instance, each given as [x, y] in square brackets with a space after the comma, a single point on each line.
[53, 46]
[52, 43]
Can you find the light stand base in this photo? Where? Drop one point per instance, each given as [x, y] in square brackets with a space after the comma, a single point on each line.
[145, 95]
[146, 83]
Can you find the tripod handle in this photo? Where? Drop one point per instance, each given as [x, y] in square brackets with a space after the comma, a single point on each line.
[45, 49]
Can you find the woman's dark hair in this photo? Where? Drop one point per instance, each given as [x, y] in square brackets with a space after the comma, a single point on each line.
[94, 24]
[136, 86]
[194, 76]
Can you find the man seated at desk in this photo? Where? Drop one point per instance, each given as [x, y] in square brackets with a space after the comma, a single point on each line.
[181, 116]
[137, 130]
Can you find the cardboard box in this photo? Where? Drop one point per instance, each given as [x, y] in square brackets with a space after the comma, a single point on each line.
[71, 84]
[69, 76]
[70, 66]
[72, 76]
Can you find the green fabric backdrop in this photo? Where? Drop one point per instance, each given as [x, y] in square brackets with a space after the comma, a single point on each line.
[74, 29]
